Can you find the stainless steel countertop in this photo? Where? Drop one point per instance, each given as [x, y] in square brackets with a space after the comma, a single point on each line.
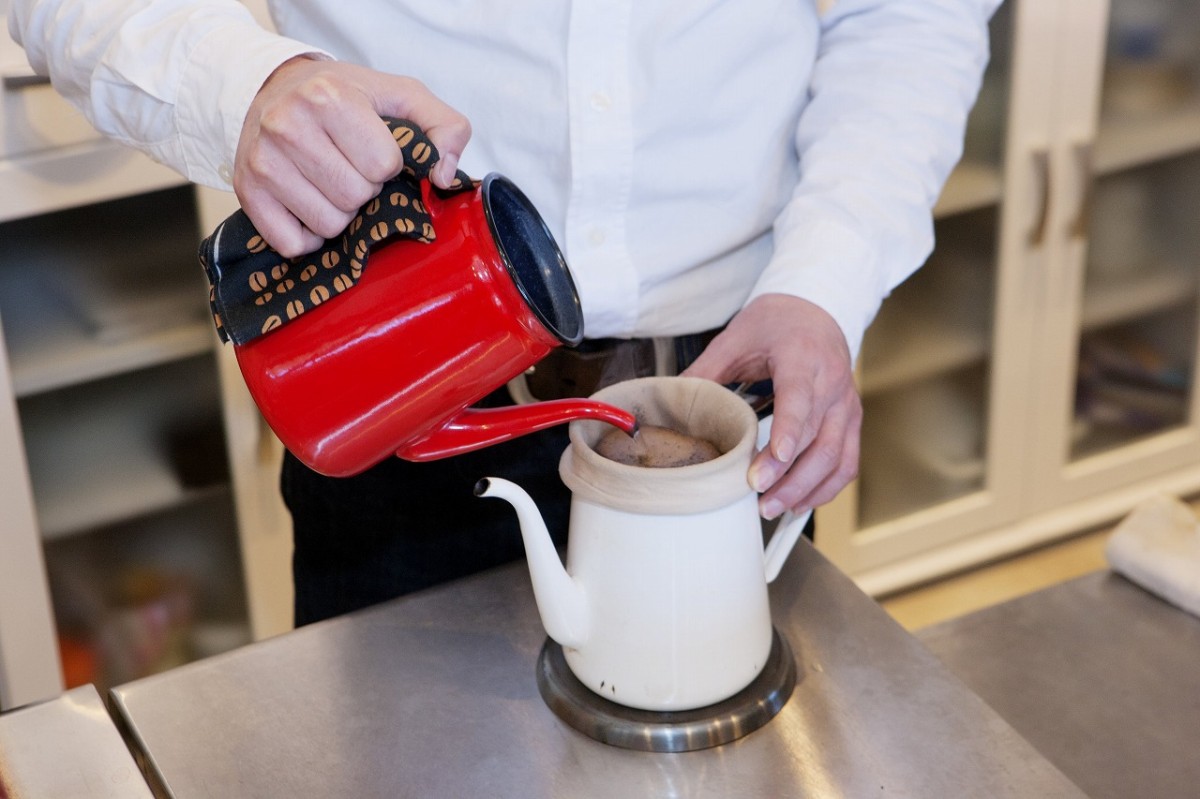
[435, 695]
[1101, 676]
[66, 748]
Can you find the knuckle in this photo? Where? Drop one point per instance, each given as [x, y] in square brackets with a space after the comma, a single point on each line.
[346, 193]
[320, 91]
[382, 167]
[279, 123]
[255, 167]
[286, 242]
[329, 225]
[460, 127]
[827, 455]
[412, 85]
[289, 249]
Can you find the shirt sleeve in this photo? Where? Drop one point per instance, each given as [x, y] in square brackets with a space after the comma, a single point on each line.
[173, 78]
[892, 86]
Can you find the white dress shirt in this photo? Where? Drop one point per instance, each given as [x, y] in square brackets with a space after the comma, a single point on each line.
[688, 155]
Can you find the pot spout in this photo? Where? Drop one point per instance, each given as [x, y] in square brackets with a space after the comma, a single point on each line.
[475, 428]
[560, 600]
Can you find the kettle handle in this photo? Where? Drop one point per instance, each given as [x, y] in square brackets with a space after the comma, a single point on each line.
[475, 428]
[790, 526]
[786, 534]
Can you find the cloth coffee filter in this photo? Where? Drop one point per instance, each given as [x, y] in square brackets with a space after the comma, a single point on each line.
[688, 405]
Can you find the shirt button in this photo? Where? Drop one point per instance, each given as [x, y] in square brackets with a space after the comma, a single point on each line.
[601, 101]
[596, 237]
[225, 173]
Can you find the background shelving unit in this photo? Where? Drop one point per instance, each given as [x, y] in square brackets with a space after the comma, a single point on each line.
[1037, 376]
[143, 525]
[114, 370]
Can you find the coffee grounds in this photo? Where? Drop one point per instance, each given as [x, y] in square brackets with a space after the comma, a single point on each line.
[656, 448]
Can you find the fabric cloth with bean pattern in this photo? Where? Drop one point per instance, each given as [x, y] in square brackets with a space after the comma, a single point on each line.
[254, 290]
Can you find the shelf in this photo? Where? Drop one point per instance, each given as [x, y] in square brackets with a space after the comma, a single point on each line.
[53, 346]
[923, 445]
[1140, 293]
[938, 321]
[117, 449]
[971, 186]
[94, 292]
[909, 346]
[894, 484]
[75, 175]
[149, 594]
[1125, 142]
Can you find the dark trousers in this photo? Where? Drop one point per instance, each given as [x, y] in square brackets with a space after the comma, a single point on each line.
[400, 526]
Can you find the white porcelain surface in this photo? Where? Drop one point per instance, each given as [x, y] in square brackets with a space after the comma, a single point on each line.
[658, 609]
[677, 612]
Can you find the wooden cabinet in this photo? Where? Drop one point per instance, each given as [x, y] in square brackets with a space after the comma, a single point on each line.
[121, 467]
[118, 547]
[142, 525]
[1036, 377]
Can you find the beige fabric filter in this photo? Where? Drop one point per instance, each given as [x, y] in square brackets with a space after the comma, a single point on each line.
[689, 405]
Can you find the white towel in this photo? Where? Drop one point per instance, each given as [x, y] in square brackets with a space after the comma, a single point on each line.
[1157, 546]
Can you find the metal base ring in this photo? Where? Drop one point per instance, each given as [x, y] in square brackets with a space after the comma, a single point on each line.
[667, 731]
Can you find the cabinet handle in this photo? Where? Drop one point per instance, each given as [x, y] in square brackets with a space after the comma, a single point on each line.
[1083, 217]
[1041, 168]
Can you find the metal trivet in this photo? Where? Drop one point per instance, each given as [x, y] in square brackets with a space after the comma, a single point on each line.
[667, 731]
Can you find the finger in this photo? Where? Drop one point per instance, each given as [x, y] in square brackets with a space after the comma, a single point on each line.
[798, 413]
[822, 469]
[366, 145]
[269, 186]
[846, 473]
[307, 202]
[286, 234]
[338, 180]
[305, 139]
[446, 128]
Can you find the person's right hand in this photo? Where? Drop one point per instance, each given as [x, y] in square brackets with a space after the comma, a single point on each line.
[313, 148]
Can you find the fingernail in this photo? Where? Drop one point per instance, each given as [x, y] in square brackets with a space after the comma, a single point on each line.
[785, 450]
[760, 480]
[771, 508]
[448, 168]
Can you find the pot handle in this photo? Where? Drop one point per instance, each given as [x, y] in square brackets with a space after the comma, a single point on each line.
[790, 526]
[476, 428]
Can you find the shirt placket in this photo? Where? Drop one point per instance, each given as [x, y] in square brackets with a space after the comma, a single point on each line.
[601, 142]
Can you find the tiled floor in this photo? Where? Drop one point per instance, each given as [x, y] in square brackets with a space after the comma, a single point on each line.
[989, 585]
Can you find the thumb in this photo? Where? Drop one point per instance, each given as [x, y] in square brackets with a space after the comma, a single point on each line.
[708, 365]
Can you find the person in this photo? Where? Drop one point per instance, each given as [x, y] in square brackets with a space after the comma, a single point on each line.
[745, 180]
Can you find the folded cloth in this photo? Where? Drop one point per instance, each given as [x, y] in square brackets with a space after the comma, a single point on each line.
[1157, 546]
[254, 290]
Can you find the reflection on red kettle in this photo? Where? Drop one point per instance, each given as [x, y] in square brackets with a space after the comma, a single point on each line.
[391, 366]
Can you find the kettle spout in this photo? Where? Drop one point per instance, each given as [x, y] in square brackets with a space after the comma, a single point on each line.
[560, 600]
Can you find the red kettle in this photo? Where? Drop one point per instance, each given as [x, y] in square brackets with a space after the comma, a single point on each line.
[393, 364]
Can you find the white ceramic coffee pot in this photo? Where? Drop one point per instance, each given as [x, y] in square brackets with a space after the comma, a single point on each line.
[663, 601]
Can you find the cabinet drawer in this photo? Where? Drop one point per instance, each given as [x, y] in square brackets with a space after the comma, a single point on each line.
[33, 117]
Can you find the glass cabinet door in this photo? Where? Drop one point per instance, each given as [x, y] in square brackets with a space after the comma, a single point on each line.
[928, 362]
[1138, 315]
[1123, 412]
[1037, 375]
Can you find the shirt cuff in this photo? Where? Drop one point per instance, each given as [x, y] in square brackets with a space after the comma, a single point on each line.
[831, 266]
[214, 98]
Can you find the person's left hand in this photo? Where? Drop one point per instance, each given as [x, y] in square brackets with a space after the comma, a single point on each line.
[814, 446]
